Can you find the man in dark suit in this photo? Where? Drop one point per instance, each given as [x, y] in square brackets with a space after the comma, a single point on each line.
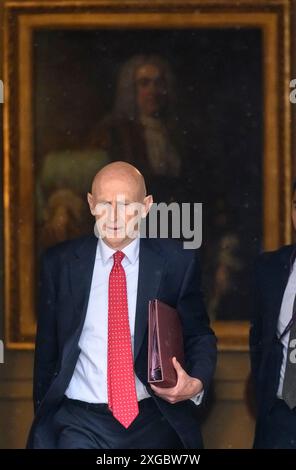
[272, 346]
[90, 374]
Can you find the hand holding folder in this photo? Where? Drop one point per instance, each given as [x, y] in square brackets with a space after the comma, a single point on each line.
[165, 340]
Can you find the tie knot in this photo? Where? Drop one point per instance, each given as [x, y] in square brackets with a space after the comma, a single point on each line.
[118, 257]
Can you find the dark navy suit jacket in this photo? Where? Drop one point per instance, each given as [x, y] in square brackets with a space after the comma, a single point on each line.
[271, 275]
[167, 272]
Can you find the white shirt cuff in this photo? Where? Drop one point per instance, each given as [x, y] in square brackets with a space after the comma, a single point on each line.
[197, 399]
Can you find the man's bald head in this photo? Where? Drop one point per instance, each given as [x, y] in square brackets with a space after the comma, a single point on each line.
[118, 201]
[122, 173]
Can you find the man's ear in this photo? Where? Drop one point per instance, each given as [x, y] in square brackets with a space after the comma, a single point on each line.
[147, 203]
[90, 201]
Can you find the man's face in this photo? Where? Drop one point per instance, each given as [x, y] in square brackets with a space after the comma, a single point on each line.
[294, 210]
[151, 90]
[118, 206]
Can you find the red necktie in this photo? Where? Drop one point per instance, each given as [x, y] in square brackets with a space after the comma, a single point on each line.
[122, 398]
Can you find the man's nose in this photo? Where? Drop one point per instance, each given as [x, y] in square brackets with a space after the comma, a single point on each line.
[117, 212]
[113, 212]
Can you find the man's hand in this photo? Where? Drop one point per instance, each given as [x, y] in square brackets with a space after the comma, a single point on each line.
[185, 388]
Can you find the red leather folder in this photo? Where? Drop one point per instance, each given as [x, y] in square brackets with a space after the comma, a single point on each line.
[165, 340]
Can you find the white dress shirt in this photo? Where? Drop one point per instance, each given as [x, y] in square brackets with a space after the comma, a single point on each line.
[89, 380]
[284, 318]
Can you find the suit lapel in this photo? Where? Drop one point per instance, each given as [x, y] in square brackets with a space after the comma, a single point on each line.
[279, 283]
[80, 270]
[151, 266]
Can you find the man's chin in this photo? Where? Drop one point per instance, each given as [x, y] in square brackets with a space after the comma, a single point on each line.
[116, 241]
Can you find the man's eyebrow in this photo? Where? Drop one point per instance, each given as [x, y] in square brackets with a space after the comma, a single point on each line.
[126, 201]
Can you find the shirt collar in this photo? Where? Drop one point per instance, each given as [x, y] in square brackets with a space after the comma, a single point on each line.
[131, 251]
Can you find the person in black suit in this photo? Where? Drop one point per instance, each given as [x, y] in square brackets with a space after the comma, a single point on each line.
[272, 346]
[76, 402]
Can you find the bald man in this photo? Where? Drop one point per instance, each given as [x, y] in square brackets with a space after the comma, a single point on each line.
[90, 374]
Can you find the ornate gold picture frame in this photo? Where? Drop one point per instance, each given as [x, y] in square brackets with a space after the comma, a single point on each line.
[23, 20]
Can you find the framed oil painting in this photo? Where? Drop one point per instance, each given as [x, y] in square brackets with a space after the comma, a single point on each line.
[71, 72]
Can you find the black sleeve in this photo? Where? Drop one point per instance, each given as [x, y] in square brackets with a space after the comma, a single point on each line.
[256, 323]
[46, 350]
[199, 339]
